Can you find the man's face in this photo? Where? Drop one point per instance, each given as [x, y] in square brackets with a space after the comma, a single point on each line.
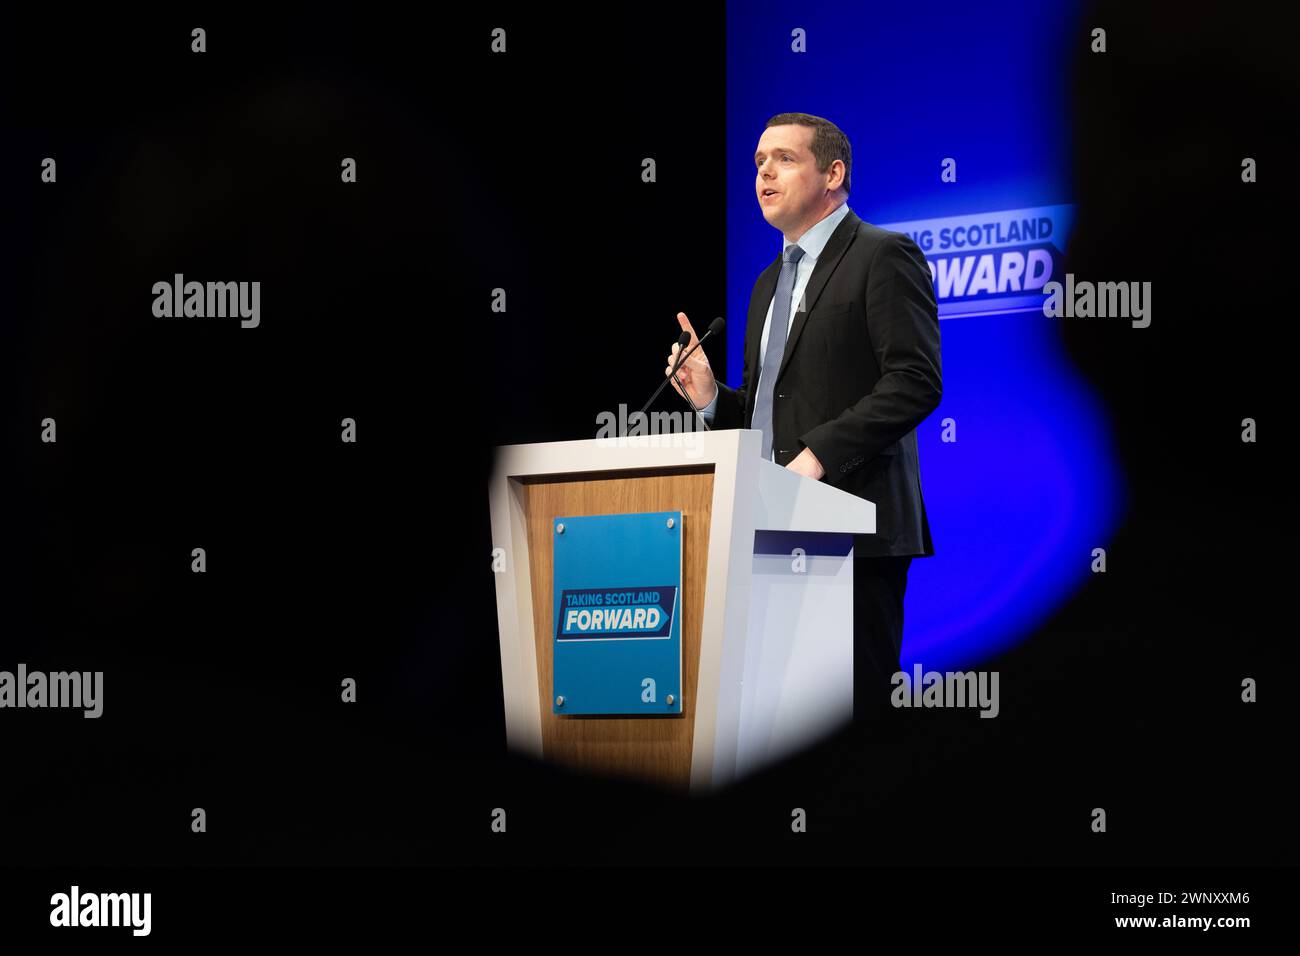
[790, 189]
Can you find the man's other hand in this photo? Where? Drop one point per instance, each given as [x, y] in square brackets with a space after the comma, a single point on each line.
[806, 464]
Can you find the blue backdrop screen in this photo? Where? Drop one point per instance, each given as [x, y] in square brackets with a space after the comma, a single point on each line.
[1027, 485]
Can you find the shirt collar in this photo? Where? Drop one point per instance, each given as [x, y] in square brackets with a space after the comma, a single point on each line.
[814, 240]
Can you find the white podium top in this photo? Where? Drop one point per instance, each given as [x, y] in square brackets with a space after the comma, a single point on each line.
[785, 501]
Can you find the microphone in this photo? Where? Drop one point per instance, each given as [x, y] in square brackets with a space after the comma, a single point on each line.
[716, 326]
[683, 340]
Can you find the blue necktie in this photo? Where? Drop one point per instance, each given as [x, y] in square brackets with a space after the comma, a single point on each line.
[776, 336]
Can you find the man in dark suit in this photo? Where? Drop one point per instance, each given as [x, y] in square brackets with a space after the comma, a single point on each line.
[841, 364]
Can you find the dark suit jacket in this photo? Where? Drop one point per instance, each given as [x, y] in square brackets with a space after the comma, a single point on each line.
[861, 370]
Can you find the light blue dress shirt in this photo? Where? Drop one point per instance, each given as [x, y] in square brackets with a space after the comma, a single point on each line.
[812, 242]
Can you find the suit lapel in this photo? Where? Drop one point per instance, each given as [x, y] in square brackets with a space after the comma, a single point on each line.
[764, 289]
[826, 263]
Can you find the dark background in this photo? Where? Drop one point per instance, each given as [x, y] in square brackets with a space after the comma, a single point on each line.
[372, 560]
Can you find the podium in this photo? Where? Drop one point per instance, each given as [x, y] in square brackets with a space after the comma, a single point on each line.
[765, 603]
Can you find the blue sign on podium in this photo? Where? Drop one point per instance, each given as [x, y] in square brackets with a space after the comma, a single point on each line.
[617, 646]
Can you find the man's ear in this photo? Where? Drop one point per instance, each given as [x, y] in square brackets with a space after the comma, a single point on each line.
[843, 173]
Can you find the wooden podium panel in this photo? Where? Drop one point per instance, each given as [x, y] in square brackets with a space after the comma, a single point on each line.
[651, 749]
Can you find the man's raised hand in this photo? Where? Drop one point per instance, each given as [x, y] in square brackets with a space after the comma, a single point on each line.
[695, 373]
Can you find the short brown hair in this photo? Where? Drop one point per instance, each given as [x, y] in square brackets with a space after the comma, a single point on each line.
[828, 142]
